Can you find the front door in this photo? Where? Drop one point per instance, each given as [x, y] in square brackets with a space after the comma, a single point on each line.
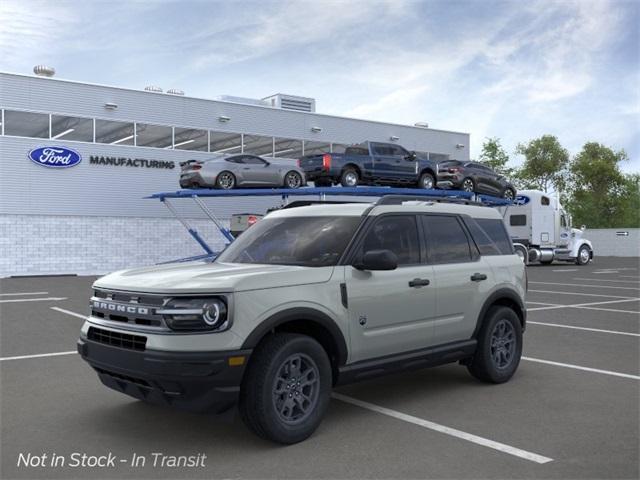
[390, 311]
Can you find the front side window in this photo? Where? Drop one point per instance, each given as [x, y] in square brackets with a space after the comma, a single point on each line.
[397, 233]
[446, 240]
[251, 160]
[303, 241]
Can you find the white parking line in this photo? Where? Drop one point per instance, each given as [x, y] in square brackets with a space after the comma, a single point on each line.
[40, 355]
[69, 312]
[579, 367]
[541, 303]
[598, 330]
[587, 286]
[47, 299]
[517, 452]
[566, 270]
[629, 276]
[583, 305]
[606, 280]
[580, 294]
[22, 293]
[633, 312]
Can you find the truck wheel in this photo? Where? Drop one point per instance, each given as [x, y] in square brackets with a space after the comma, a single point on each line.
[427, 181]
[468, 185]
[584, 255]
[508, 194]
[499, 346]
[285, 391]
[349, 178]
[226, 180]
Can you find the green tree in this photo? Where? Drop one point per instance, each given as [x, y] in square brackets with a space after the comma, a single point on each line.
[495, 157]
[545, 164]
[600, 195]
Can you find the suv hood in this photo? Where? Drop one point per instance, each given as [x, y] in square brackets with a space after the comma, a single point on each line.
[204, 277]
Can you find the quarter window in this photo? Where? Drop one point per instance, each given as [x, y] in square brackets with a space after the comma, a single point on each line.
[397, 233]
[446, 240]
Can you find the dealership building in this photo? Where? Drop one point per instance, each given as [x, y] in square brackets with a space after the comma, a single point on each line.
[91, 217]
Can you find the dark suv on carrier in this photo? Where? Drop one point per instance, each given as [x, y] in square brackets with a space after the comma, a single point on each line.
[474, 177]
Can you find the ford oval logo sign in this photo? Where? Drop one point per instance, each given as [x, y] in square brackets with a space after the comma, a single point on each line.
[55, 157]
[521, 200]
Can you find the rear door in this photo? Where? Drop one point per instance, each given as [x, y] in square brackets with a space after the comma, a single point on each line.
[391, 163]
[461, 277]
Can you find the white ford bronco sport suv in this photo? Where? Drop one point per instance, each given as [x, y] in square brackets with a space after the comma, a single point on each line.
[309, 298]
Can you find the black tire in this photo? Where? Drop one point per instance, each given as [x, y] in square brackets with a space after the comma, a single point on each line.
[546, 262]
[427, 181]
[468, 185]
[292, 180]
[349, 177]
[225, 180]
[584, 255]
[486, 362]
[258, 402]
[509, 194]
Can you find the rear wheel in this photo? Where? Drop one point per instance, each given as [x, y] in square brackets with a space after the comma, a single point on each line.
[584, 255]
[427, 181]
[349, 178]
[468, 185]
[285, 392]
[293, 180]
[226, 180]
[499, 346]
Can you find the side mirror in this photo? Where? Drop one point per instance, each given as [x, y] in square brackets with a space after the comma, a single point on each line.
[378, 260]
[412, 156]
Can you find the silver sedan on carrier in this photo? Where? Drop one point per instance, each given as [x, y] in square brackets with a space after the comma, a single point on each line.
[243, 170]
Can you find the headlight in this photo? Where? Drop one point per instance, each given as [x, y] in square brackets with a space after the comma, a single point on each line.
[196, 314]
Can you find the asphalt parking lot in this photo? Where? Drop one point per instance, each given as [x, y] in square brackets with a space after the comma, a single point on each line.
[571, 411]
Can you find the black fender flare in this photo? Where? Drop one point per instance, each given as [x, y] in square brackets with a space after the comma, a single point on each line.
[501, 294]
[305, 314]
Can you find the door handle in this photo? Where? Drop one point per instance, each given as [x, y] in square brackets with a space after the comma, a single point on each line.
[419, 282]
[478, 277]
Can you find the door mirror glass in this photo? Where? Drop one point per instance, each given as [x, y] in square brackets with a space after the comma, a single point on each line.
[378, 260]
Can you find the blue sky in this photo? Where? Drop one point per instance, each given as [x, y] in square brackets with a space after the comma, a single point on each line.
[513, 69]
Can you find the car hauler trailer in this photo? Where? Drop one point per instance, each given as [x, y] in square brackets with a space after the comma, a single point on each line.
[541, 230]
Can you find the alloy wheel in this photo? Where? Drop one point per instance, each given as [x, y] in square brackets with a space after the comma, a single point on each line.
[351, 179]
[293, 180]
[226, 181]
[503, 344]
[296, 388]
[467, 185]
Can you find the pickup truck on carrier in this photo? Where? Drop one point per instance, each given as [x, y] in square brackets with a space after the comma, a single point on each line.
[370, 163]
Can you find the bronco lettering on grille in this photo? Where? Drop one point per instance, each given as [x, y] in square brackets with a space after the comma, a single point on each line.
[116, 307]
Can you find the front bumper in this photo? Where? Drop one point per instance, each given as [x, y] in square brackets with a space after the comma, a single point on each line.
[193, 381]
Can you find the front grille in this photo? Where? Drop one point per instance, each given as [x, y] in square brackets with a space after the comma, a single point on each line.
[117, 339]
[128, 307]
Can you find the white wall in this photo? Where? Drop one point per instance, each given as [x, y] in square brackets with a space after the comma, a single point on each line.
[607, 243]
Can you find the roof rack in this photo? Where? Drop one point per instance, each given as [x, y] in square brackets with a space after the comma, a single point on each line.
[387, 196]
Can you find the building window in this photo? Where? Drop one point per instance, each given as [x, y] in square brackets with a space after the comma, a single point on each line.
[338, 147]
[316, 148]
[258, 145]
[114, 133]
[26, 124]
[158, 136]
[190, 139]
[225, 143]
[71, 128]
[287, 148]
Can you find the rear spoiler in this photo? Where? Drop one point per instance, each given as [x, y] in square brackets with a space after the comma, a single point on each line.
[189, 162]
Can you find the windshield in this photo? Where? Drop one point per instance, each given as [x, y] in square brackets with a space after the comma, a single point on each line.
[304, 241]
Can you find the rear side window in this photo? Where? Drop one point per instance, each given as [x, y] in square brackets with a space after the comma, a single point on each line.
[490, 236]
[356, 151]
[398, 233]
[518, 220]
[446, 240]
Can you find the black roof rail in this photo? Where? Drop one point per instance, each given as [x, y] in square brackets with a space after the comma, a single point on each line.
[398, 199]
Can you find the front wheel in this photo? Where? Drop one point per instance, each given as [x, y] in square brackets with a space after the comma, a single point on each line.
[293, 180]
[427, 181]
[468, 185]
[285, 391]
[584, 255]
[508, 194]
[499, 346]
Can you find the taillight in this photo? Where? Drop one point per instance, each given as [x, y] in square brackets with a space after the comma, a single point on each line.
[326, 161]
[298, 162]
[251, 220]
[454, 170]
